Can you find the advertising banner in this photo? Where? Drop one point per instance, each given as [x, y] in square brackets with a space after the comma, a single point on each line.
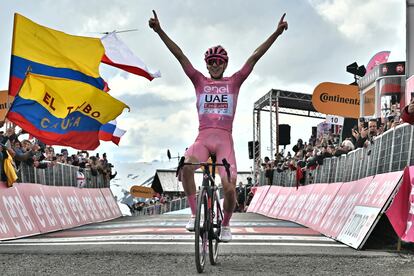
[57, 196]
[16, 214]
[401, 211]
[268, 200]
[110, 200]
[409, 90]
[278, 204]
[351, 191]
[76, 209]
[89, 205]
[40, 206]
[301, 201]
[319, 200]
[257, 199]
[140, 191]
[337, 99]
[100, 203]
[5, 102]
[366, 211]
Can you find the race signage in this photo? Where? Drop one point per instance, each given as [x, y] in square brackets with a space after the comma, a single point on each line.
[335, 120]
[140, 191]
[337, 99]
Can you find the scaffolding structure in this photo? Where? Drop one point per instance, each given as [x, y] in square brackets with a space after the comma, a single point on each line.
[278, 102]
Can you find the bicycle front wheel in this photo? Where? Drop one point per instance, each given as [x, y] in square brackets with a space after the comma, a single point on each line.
[201, 230]
[214, 235]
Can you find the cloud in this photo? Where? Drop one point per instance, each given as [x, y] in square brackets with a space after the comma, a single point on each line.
[323, 37]
[361, 21]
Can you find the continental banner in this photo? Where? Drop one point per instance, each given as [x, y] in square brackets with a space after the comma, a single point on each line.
[337, 99]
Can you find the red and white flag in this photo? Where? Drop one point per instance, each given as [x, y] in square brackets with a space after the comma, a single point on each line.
[110, 132]
[118, 54]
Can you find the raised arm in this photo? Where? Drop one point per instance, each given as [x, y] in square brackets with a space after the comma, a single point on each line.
[259, 52]
[154, 24]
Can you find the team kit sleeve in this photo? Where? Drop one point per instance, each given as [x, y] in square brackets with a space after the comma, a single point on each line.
[241, 75]
[193, 74]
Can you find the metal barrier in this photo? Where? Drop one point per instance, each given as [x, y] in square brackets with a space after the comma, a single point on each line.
[59, 175]
[173, 205]
[391, 151]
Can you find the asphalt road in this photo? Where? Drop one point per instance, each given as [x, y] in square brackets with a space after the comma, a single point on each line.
[159, 245]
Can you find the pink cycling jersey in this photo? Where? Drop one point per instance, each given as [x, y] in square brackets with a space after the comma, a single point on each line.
[217, 99]
[216, 106]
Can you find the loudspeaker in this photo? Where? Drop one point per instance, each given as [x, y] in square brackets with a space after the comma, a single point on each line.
[349, 123]
[250, 147]
[284, 135]
[314, 131]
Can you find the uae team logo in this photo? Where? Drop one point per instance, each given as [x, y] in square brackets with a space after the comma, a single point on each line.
[216, 100]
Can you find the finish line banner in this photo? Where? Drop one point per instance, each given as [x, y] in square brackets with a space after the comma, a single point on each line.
[28, 209]
[347, 212]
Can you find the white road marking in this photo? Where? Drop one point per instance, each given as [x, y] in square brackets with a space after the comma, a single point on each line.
[167, 237]
[171, 243]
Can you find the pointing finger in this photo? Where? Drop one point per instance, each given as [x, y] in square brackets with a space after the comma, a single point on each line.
[283, 17]
[155, 14]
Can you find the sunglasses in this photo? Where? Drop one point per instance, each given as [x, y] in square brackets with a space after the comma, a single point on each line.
[217, 61]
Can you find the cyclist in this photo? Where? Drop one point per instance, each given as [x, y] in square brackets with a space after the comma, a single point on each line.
[216, 105]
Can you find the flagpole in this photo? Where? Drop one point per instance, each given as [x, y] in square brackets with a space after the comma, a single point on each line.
[28, 70]
[10, 70]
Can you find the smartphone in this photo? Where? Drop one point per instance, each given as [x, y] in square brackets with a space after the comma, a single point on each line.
[365, 124]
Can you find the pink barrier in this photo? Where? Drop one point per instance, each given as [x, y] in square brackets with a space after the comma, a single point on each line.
[350, 192]
[282, 196]
[318, 203]
[268, 200]
[347, 212]
[113, 206]
[368, 207]
[304, 203]
[16, 215]
[258, 196]
[68, 202]
[40, 207]
[29, 209]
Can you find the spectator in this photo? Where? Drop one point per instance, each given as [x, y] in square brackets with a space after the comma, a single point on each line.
[241, 197]
[408, 113]
[268, 168]
[367, 134]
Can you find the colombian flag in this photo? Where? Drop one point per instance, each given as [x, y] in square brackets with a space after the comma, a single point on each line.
[63, 112]
[53, 53]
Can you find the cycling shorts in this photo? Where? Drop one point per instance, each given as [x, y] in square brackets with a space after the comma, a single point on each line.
[218, 141]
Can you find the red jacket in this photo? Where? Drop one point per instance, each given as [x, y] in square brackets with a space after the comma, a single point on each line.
[407, 117]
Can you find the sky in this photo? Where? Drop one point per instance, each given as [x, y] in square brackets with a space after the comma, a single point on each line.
[324, 36]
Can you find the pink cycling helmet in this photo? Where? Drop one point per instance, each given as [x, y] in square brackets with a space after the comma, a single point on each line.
[216, 52]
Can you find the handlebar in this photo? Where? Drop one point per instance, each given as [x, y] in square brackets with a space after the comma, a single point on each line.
[224, 164]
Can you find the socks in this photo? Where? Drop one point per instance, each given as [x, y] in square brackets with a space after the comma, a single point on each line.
[226, 218]
[192, 202]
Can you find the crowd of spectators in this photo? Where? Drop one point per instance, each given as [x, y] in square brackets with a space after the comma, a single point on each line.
[307, 156]
[33, 152]
[155, 205]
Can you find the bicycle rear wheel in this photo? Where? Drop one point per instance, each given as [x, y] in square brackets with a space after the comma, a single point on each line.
[215, 229]
[201, 230]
